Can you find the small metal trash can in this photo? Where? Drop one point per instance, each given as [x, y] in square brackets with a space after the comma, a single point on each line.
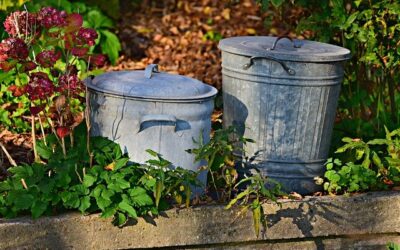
[283, 94]
[148, 109]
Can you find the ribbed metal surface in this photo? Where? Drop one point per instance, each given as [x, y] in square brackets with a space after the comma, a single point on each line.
[289, 116]
[166, 126]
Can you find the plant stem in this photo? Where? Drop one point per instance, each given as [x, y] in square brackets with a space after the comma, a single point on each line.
[35, 153]
[10, 159]
[88, 126]
[392, 90]
[212, 173]
[42, 130]
[63, 147]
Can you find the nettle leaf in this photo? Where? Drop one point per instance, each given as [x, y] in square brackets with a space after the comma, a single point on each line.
[124, 206]
[123, 184]
[21, 200]
[110, 211]
[120, 219]
[97, 20]
[140, 197]
[85, 203]
[120, 163]
[38, 208]
[110, 45]
[103, 203]
[107, 194]
[88, 180]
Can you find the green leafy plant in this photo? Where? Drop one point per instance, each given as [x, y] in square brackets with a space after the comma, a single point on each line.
[254, 196]
[392, 246]
[372, 165]
[113, 186]
[221, 153]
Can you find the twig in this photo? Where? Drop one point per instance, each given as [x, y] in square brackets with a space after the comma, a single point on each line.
[42, 130]
[10, 159]
[35, 153]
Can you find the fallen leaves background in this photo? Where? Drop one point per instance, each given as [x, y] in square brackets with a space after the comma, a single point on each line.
[181, 36]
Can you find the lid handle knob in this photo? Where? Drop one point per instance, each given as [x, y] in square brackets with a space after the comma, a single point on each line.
[150, 69]
[295, 45]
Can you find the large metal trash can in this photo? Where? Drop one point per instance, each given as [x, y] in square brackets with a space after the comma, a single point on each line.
[148, 109]
[283, 93]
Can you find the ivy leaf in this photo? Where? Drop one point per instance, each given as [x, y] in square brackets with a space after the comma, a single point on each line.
[124, 206]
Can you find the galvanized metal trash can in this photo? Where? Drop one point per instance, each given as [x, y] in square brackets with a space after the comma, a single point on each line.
[152, 110]
[283, 93]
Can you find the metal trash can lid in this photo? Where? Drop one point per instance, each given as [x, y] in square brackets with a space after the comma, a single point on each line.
[151, 84]
[287, 49]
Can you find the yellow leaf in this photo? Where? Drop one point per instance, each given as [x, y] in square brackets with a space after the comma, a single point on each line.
[110, 166]
[251, 31]
[257, 219]
[207, 10]
[226, 14]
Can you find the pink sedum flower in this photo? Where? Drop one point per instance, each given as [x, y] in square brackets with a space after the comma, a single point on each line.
[39, 87]
[20, 23]
[48, 58]
[50, 17]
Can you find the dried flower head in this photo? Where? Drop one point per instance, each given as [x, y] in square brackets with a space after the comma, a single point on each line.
[50, 17]
[14, 48]
[97, 60]
[48, 58]
[70, 82]
[39, 87]
[86, 36]
[20, 23]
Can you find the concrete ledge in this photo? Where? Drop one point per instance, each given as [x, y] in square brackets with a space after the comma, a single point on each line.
[366, 221]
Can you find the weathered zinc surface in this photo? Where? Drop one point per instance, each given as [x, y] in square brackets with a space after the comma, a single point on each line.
[283, 94]
[149, 109]
[366, 221]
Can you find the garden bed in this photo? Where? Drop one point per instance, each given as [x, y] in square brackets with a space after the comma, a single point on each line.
[363, 221]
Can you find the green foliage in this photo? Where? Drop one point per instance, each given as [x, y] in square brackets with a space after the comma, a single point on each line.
[371, 30]
[113, 185]
[220, 153]
[253, 197]
[392, 246]
[372, 165]
[212, 36]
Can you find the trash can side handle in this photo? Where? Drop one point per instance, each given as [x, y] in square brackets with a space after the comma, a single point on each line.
[157, 118]
[290, 71]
